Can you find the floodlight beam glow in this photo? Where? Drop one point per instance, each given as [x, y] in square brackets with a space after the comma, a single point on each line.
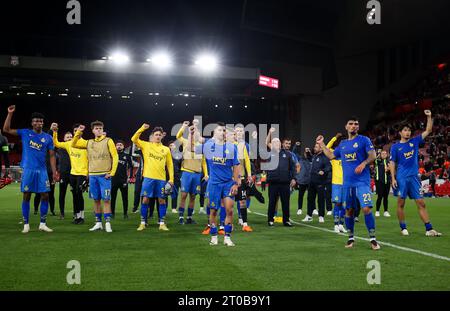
[119, 58]
[161, 60]
[206, 62]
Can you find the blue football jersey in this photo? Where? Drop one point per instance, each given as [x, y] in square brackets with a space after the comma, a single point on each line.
[34, 149]
[220, 159]
[406, 155]
[352, 153]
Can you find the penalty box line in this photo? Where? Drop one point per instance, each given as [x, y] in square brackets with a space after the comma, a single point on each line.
[406, 249]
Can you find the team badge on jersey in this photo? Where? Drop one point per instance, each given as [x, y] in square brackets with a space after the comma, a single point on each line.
[411, 144]
[43, 140]
[355, 145]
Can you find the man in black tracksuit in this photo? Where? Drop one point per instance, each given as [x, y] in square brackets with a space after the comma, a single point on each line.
[177, 159]
[138, 182]
[382, 180]
[320, 167]
[64, 168]
[303, 178]
[120, 179]
[281, 179]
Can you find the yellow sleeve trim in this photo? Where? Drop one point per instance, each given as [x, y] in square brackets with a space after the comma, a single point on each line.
[114, 155]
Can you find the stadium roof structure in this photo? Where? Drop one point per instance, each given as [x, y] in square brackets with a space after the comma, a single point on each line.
[80, 76]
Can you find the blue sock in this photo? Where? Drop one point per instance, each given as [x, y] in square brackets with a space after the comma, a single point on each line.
[350, 224]
[213, 230]
[336, 211]
[44, 211]
[428, 226]
[208, 210]
[370, 224]
[402, 225]
[162, 212]
[275, 214]
[98, 217]
[144, 212]
[26, 212]
[341, 215]
[181, 212]
[223, 215]
[107, 217]
[248, 203]
[190, 212]
[228, 229]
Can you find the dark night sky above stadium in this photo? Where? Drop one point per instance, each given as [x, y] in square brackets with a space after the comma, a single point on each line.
[40, 28]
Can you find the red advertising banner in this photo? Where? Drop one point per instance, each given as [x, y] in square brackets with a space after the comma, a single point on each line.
[268, 81]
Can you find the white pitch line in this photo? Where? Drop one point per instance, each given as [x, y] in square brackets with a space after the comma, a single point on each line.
[406, 249]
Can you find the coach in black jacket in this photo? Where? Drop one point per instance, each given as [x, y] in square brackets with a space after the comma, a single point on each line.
[320, 168]
[281, 178]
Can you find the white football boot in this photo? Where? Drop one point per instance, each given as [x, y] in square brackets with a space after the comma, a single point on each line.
[342, 229]
[307, 219]
[227, 241]
[43, 227]
[386, 214]
[108, 227]
[405, 232]
[214, 240]
[26, 228]
[377, 214]
[336, 229]
[321, 220]
[97, 226]
[432, 232]
[299, 212]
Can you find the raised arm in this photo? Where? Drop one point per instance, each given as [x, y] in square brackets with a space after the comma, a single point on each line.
[429, 128]
[135, 138]
[56, 142]
[269, 137]
[180, 133]
[331, 142]
[7, 125]
[326, 151]
[77, 141]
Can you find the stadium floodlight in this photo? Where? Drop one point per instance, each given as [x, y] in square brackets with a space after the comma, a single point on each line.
[161, 60]
[206, 62]
[119, 58]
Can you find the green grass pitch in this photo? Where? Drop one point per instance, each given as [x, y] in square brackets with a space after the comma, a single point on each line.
[278, 258]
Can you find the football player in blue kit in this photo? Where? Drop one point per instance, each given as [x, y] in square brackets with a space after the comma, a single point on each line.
[404, 166]
[224, 179]
[36, 144]
[356, 153]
